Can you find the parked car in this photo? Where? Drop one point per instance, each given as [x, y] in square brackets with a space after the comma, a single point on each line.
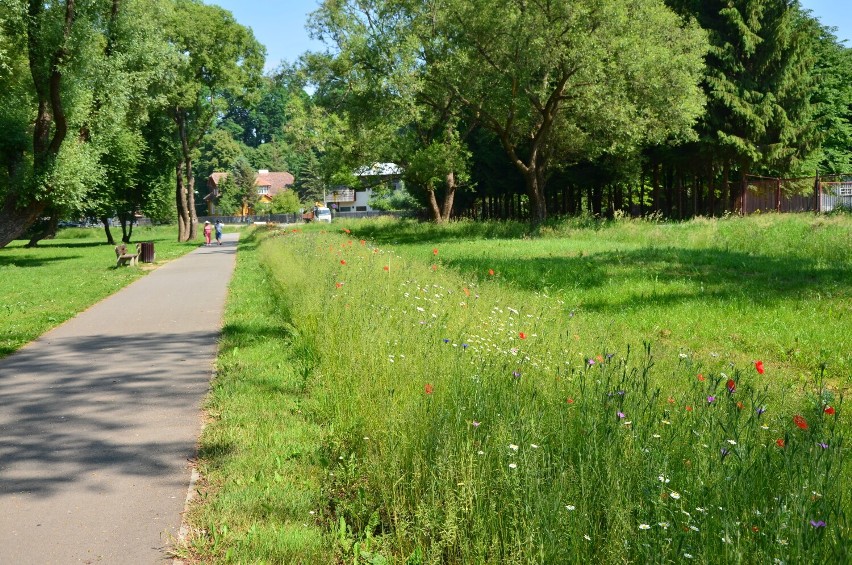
[318, 214]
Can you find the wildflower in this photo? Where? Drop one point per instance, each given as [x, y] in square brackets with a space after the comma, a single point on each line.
[644, 527]
[823, 445]
[435, 251]
[516, 374]
[475, 424]
[591, 362]
[710, 399]
[818, 524]
[758, 365]
[522, 335]
[779, 442]
[829, 410]
[428, 388]
[338, 284]
[724, 453]
[513, 465]
[464, 346]
[571, 507]
[800, 422]
[687, 555]
[347, 230]
[434, 267]
[513, 447]
[701, 377]
[491, 272]
[683, 355]
[466, 291]
[534, 446]
[362, 242]
[446, 340]
[343, 261]
[621, 415]
[689, 408]
[387, 267]
[740, 406]
[664, 525]
[570, 400]
[662, 479]
[732, 442]
[671, 400]
[760, 411]
[480, 452]
[732, 386]
[656, 436]
[675, 495]
[586, 537]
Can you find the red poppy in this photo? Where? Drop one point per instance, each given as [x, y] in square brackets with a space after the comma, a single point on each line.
[689, 408]
[428, 388]
[362, 242]
[338, 285]
[779, 442]
[570, 400]
[740, 405]
[343, 261]
[491, 272]
[829, 410]
[387, 268]
[732, 386]
[755, 529]
[434, 267]
[347, 230]
[700, 377]
[435, 251]
[800, 422]
[522, 335]
[671, 400]
[466, 291]
[759, 366]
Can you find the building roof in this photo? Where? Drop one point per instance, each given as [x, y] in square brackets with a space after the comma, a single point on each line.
[276, 181]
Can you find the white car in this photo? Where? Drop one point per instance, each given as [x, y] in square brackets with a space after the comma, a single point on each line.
[322, 215]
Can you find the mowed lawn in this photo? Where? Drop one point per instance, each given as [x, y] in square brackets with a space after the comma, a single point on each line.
[395, 392]
[44, 286]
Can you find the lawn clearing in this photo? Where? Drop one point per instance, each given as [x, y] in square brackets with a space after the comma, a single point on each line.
[620, 392]
[46, 285]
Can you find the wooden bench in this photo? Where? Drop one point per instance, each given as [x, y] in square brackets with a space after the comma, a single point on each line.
[125, 258]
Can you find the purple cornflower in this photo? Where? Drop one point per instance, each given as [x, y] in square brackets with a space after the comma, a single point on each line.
[724, 453]
[760, 411]
[475, 424]
[710, 399]
[610, 355]
[591, 362]
[823, 445]
[817, 523]
[446, 340]
[516, 374]
[621, 415]
[464, 346]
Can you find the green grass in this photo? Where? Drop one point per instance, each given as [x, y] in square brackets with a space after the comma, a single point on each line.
[46, 285]
[574, 405]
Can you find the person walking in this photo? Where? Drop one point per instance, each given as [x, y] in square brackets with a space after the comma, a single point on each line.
[207, 229]
[219, 227]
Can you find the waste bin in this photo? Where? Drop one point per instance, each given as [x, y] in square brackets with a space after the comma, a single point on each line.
[147, 255]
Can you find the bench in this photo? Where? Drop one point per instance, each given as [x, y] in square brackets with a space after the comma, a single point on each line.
[125, 258]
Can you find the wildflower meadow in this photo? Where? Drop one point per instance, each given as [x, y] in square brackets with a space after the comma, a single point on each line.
[461, 413]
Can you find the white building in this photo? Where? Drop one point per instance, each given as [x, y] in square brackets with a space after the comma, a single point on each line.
[346, 199]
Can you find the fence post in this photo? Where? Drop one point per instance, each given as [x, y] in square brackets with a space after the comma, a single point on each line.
[818, 194]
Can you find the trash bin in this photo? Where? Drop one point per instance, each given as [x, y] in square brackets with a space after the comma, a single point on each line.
[147, 252]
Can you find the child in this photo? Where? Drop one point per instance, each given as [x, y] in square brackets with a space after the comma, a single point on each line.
[219, 226]
[207, 229]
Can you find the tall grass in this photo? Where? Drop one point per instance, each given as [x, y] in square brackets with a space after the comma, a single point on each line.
[560, 409]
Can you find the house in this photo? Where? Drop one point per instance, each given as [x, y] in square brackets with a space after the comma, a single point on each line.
[346, 199]
[268, 183]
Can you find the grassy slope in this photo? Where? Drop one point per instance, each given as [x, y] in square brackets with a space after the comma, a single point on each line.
[389, 458]
[44, 286]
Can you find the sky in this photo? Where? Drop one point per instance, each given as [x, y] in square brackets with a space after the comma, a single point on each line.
[280, 24]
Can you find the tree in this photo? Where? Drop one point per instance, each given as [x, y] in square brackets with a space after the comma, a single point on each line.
[552, 80]
[244, 178]
[285, 202]
[219, 61]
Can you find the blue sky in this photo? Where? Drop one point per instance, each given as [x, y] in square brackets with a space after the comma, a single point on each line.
[280, 24]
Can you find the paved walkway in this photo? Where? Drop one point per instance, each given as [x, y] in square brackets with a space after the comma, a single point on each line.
[99, 416]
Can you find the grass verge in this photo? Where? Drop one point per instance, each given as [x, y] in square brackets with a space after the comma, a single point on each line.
[459, 403]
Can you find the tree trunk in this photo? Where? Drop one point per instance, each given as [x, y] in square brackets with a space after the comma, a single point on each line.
[14, 221]
[180, 202]
[447, 211]
[105, 222]
[45, 231]
[433, 206]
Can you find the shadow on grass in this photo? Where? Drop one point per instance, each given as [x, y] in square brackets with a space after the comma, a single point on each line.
[721, 274]
[32, 260]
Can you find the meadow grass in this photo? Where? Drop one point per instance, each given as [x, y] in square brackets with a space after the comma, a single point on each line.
[44, 286]
[628, 392]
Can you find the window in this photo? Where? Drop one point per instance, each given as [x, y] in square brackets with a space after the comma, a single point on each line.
[360, 208]
[346, 208]
[264, 189]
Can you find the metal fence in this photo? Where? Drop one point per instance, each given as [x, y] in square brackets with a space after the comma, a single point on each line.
[297, 218]
[809, 194]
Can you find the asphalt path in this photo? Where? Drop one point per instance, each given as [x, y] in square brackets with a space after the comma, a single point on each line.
[99, 419]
